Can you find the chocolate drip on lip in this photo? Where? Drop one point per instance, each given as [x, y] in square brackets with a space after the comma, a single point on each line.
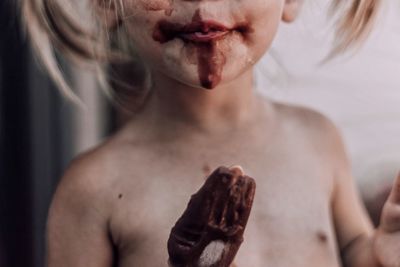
[211, 59]
[166, 31]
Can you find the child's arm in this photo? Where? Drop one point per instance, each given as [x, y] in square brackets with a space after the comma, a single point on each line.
[387, 238]
[354, 230]
[77, 225]
[360, 244]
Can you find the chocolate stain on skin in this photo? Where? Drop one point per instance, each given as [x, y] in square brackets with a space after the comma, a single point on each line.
[211, 60]
[166, 5]
[211, 57]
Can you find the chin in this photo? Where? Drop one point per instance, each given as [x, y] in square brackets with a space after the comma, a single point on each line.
[205, 65]
[212, 83]
[202, 77]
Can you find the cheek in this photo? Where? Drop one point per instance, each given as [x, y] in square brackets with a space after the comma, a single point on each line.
[141, 17]
[243, 53]
[266, 19]
[158, 5]
[149, 5]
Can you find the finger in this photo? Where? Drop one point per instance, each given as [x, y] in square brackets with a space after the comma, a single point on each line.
[237, 169]
[394, 196]
[390, 218]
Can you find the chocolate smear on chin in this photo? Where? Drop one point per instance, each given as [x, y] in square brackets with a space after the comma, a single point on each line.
[210, 64]
[210, 57]
[210, 60]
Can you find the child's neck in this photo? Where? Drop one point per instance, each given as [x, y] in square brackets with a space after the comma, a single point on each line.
[174, 106]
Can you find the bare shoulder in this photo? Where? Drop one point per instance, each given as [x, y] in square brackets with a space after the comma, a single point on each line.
[307, 119]
[313, 126]
[79, 217]
[304, 117]
[87, 183]
[90, 170]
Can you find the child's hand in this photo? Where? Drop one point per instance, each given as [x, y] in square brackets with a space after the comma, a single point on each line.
[210, 231]
[387, 239]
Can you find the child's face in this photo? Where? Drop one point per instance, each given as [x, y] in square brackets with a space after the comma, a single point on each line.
[202, 43]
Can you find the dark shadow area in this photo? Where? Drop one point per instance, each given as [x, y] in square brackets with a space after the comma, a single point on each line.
[35, 145]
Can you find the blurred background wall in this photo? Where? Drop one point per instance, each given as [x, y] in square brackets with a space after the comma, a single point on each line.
[40, 131]
[359, 91]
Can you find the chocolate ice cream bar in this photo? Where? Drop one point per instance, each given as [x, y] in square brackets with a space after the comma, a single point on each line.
[210, 231]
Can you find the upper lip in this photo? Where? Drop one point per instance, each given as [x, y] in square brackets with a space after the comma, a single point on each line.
[203, 26]
[166, 30]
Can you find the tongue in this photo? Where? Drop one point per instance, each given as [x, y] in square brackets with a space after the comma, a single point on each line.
[210, 33]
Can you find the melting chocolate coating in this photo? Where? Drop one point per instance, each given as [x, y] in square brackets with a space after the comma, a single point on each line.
[219, 211]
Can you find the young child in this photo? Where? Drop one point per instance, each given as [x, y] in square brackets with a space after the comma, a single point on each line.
[116, 204]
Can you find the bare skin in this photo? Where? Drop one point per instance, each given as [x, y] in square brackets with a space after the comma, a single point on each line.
[118, 202]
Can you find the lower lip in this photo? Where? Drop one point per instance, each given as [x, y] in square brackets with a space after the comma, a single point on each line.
[203, 37]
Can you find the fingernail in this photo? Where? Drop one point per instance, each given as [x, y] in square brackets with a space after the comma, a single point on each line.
[237, 170]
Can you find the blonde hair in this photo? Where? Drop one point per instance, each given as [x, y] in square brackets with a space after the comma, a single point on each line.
[353, 28]
[53, 29]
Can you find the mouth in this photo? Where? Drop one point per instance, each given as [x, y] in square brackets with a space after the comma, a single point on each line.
[197, 31]
[203, 31]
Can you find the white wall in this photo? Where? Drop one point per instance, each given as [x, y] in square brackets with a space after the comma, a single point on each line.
[361, 93]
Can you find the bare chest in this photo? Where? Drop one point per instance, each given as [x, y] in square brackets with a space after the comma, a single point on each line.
[290, 224]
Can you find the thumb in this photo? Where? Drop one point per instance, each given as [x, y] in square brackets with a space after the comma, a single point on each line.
[394, 196]
[390, 219]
